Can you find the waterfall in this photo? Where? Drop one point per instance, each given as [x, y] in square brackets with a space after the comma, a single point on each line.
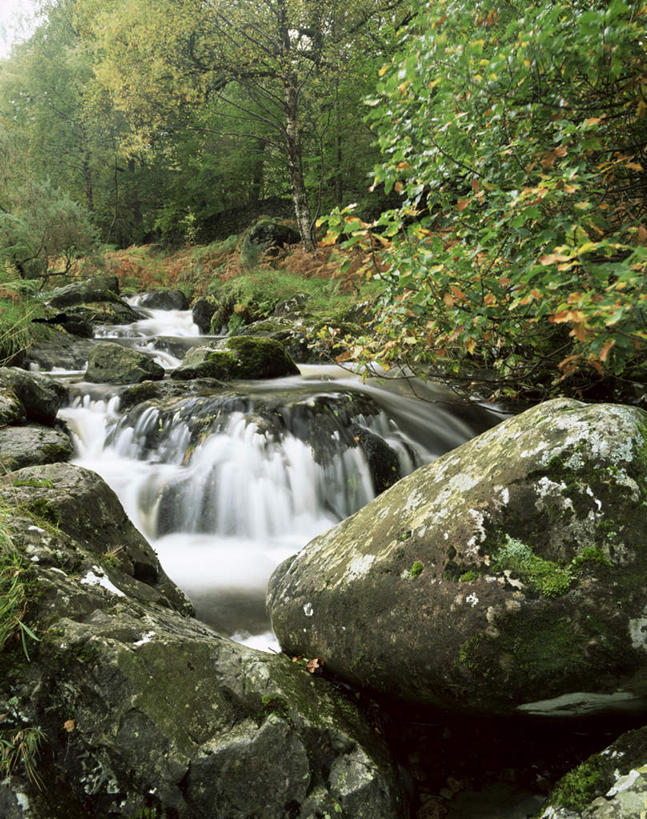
[226, 484]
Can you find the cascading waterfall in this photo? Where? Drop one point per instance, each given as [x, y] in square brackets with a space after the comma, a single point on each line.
[226, 487]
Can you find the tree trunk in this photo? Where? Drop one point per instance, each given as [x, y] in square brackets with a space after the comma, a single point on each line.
[295, 165]
[87, 173]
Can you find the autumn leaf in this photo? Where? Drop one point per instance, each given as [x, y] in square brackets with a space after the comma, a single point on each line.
[462, 204]
[642, 233]
[606, 349]
[315, 666]
[552, 258]
[69, 725]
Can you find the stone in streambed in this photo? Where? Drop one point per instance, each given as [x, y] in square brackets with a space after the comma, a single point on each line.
[165, 300]
[239, 357]
[140, 708]
[40, 396]
[205, 362]
[32, 445]
[114, 364]
[506, 575]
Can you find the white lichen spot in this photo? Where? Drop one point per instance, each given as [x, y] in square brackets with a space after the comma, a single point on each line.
[623, 783]
[359, 567]
[146, 638]
[471, 547]
[638, 632]
[36, 529]
[96, 577]
[545, 488]
[472, 599]
[308, 610]
[505, 495]
[513, 581]
[597, 502]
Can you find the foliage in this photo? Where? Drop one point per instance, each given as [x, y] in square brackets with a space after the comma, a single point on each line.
[44, 228]
[516, 135]
[21, 746]
[581, 785]
[13, 598]
[18, 308]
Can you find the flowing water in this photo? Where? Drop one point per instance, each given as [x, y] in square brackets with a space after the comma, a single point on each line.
[226, 483]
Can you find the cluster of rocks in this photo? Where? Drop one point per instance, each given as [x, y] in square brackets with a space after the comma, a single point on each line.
[508, 579]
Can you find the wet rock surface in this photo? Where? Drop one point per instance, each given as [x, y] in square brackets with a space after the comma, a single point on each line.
[31, 445]
[41, 397]
[508, 574]
[139, 708]
[165, 300]
[114, 364]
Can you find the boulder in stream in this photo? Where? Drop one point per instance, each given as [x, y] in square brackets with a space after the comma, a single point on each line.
[94, 301]
[113, 363]
[129, 707]
[40, 396]
[510, 575]
[31, 445]
[239, 357]
[202, 311]
[165, 300]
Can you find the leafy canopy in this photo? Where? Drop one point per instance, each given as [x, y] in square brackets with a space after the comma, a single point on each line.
[516, 134]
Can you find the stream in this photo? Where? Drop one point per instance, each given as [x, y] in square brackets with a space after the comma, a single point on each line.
[273, 465]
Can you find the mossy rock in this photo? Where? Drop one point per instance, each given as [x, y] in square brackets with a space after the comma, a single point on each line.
[40, 396]
[144, 711]
[205, 362]
[96, 289]
[263, 236]
[31, 445]
[612, 783]
[258, 357]
[534, 580]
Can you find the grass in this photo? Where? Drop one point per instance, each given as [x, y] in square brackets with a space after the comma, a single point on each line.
[21, 747]
[18, 307]
[13, 595]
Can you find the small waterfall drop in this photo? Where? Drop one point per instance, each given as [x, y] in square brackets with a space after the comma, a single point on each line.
[225, 484]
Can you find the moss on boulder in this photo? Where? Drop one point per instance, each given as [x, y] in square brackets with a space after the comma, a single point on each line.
[535, 572]
[260, 357]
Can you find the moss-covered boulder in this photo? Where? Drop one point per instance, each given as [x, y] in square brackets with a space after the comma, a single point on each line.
[97, 288]
[40, 396]
[114, 364]
[608, 785]
[510, 574]
[129, 707]
[205, 362]
[260, 357]
[265, 235]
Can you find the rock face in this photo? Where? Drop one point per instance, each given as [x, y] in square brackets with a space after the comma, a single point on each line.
[510, 574]
[608, 785]
[40, 396]
[114, 364]
[32, 445]
[165, 300]
[202, 311]
[141, 710]
[94, 301]
[240, 357]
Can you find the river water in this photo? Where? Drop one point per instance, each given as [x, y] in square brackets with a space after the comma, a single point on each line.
[225, 484]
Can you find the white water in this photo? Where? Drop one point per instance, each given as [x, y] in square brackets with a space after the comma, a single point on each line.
[223, 513]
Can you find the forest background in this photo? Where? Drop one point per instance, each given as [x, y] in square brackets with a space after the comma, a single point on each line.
[476, 170]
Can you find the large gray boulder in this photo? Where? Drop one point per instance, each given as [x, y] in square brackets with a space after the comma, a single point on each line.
[508, 575]
[239, 357]
[129, 707]
[165, 300]
[31, 445]
[114, 364]
[93, 301]
[40, 396]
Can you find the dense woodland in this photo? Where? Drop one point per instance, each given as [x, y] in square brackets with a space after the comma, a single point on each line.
[481, 166]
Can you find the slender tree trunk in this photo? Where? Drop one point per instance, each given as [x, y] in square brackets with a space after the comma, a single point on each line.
[87, 173]
[295, 165]
[339, 150]
[258, 178]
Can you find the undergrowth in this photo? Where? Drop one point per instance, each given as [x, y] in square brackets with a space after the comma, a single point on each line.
[18, 308]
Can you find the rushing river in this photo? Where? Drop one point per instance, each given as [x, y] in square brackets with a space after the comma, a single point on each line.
[276, 463]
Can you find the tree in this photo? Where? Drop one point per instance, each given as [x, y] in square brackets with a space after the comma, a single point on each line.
[264, 63]
[516, 134]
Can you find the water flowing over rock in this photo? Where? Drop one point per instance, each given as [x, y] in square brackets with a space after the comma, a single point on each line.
[139, 709]
[509, 574]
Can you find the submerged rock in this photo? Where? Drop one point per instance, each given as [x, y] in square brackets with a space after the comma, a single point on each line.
[114, 364]
[506, 575]
[138, 709]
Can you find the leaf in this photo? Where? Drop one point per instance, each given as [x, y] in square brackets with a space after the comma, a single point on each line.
[593, 121]
[69, 725]
[552, 258]
[642, 233]
[462, 204]
[315, 666]
[606, 349]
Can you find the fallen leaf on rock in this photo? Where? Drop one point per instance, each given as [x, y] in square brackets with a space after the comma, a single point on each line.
[69, 725]
[315, 666]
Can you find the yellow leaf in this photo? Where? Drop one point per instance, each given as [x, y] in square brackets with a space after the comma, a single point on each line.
[593, 121]
[462, 204]
[582, 205]
[634, 166]
[69, 725]
[470, 345]
[383, 70]
[552, 258]
[642, 233]
[435, 82]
